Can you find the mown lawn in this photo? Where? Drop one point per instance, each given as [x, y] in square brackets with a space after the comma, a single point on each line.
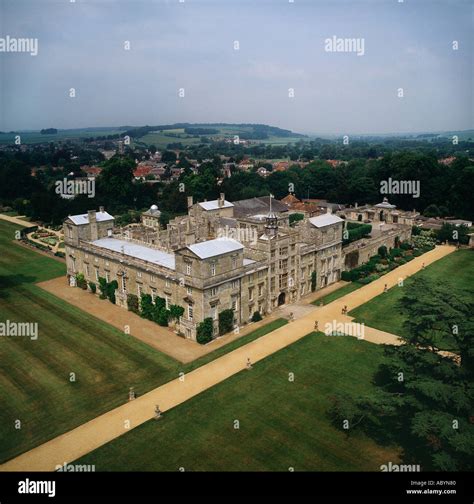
[382, 312]
[283, 423]
[35, 384]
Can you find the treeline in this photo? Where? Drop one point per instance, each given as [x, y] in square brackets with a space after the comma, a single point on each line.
[445, 187]
[357, 182]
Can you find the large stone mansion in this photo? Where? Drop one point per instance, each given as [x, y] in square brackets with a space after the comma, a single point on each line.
[243, 255]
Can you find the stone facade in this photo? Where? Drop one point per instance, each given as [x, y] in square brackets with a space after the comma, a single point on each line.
[209, 260]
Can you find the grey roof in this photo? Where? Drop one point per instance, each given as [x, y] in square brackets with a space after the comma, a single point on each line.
[138, 251]
[255, 206]
[153, 211]
[84, 218]
[385, 204]
[212, 248]
[325, 220]
[214, 205]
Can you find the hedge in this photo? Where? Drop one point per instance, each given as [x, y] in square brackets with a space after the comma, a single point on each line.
[226, 321]
[205, 330]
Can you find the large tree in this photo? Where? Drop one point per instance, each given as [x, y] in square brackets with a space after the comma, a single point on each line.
[424, 397]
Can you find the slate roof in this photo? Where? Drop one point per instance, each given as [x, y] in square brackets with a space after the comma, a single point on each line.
[212, 248]
[325, 220]
[254, 206]
[138, 251]
[84, 218]
[214, 205]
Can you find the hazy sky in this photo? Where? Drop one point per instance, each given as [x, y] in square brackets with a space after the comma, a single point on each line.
[190, 45]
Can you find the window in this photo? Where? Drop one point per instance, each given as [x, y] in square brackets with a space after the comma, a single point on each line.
[152, 278]
[167, 282]
[250, 293]
[124, 284]
[234, 284]
[109, 232]
[153, 294]
[214, 291]
[213, 269]
[107, 276]
[234, 262]
[234, 303]
[139, 274]
[189, 290]
[167, 302]
[190, 312]
[260, 290]
[188, 269]
[97, 274]
[139, 291]
[214, 314]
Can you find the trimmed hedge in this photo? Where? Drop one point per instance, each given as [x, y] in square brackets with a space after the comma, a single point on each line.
[205, 330]
[226, 321]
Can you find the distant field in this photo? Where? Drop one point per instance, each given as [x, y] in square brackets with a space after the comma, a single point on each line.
[37, 137]
[283, 424]
[456, 270]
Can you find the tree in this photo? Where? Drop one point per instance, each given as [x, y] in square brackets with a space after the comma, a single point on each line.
[133, 304]
[226, 321]
[382, 251]
[168, 157]
[423, 399]
[205, 330]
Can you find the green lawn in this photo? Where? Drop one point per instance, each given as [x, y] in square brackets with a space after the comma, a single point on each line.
[35, 381]
[283, 424]
[342, 291]
[456, 270]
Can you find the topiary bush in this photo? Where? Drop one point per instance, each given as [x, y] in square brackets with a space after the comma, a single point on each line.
[93, 287]
[205, 330]
[133, 304]
[81, 281]
[111, 288]
[346, 276]
[256, 317]
[226, 321]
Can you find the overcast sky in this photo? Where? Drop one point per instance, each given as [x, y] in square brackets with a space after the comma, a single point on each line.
[190, 45]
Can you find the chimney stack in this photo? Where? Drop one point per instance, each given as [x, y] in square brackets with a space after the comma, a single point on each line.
[221, 200]
[94, 234]
[101, 209]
